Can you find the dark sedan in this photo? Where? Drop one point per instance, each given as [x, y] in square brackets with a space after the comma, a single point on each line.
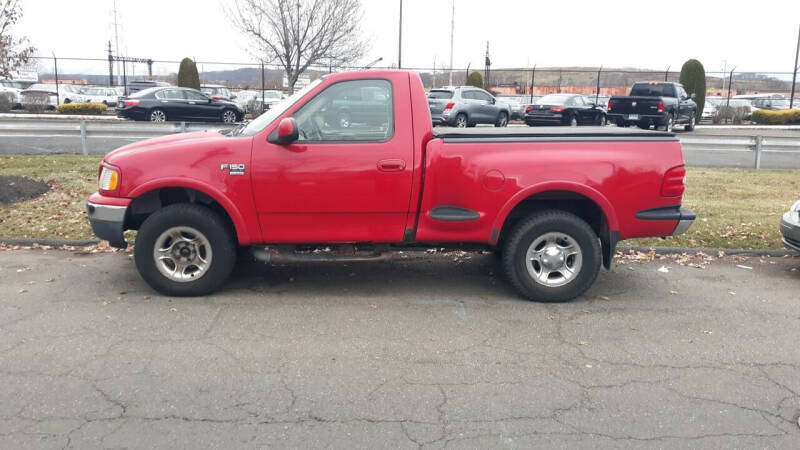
[564, 109]
[160, 104]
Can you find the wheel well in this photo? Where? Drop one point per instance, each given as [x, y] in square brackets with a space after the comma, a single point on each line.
[142, 206]
[572, 202]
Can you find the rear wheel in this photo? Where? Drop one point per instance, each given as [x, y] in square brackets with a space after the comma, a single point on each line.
[185, 250]
[552, 256]
[229, 116]
[461, 120]
[502, 120]
[668, 124]
[602, 122]
[157, 115]
[573, 121]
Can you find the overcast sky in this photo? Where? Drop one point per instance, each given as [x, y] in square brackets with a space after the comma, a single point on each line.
[652, 35]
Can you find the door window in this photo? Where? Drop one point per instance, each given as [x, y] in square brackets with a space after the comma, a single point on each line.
[170, 94]
[483, 96]
[195, 96]
[349, 111]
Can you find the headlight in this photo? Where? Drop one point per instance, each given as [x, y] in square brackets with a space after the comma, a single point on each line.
[109, 179]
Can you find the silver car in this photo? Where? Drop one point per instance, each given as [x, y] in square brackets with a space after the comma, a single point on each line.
[466, 106]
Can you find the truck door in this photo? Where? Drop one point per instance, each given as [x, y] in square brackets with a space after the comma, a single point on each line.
[339, 183]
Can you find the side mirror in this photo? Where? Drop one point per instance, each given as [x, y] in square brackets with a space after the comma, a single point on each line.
[286, 133]
[693, 96]
[494, 100]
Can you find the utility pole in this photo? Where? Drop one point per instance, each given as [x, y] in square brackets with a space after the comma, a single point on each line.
[433, 86]
[110, 66]
[116, 36]
[794, 72]
[452, 27]
[487, 67]
[400, 39]
[724, 71]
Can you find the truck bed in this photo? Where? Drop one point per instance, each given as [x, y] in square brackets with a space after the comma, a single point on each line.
[549, 134]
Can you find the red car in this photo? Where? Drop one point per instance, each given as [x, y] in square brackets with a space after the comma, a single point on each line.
[554, 202]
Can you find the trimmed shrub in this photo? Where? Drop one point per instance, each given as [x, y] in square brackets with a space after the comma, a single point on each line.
[91, 109]
[37, 102]
[187, 74]
[693, 79]
[784, 117]
[475, 79]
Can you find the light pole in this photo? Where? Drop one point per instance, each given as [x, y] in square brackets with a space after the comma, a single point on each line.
[794, 72]
[400, 39]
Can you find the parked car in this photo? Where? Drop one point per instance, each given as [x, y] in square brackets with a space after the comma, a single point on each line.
[160, 104]
[555, 203]
[772, 104]
[139, 85]
[564, 109]
[790, 227]
[709, 110]
[466, 106]
[515, 106]
[105, 95]
[654, 103]
[13, 94]
[46, 94]
[217, 92]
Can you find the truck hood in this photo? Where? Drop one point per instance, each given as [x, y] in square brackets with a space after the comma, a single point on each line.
[152, 148]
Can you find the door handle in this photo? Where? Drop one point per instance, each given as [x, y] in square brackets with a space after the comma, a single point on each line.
[391, 165]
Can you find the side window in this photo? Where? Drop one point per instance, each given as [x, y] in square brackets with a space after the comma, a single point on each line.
[467, 95]
[170, 94]
[195, 96]
[484, 96]
[349, 111]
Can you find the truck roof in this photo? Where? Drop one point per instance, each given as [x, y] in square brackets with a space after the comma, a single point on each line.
[519, 134]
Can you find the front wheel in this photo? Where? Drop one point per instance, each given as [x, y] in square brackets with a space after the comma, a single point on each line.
[185, 250]
[691, 124]
[668, 124]
[552, 256]
[502, 120]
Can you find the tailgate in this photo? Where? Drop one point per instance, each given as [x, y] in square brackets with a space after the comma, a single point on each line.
[634, 105]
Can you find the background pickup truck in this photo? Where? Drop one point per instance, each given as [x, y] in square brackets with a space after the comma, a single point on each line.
[552, 202]
[654, 104]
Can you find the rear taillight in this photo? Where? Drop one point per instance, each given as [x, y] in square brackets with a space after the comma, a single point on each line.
[557, 108]
[529, 108]
[216, 97]
[449, 105]
[130, 102]
[609, 105]
[661, 107]
[674, 182]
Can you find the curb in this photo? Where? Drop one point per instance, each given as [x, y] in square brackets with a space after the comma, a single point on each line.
[707, 251]
[48, 242]
[624, 249]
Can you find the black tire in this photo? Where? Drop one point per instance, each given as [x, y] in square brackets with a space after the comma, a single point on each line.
[668, 124]
[602, 121]
[643, 125]
[461, 121]
[534, 227]
[502, 120]
[692, 122]
[157, 115]
[622, 124]
[213, 228]
[573, 121]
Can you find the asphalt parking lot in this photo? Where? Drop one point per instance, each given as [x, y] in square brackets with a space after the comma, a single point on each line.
[432, 351]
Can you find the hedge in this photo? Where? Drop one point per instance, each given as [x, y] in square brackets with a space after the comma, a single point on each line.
[82, 108]
[784, 117]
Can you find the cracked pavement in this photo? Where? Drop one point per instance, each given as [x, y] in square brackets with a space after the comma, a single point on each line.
[423, 352]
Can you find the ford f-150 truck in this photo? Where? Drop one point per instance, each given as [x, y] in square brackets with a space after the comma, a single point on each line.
[552, 202]
[655, 103]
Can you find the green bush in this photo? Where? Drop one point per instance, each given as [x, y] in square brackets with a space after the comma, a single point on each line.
[784, 117]
[187, 74]
[693, 79]
[6, 102]
[82, 108]
[475, 79]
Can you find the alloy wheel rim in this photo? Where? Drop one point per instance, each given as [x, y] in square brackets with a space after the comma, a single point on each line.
[461, 122]
[573, 122]
[229, 117]
[553, 259]
[182, 254]
[503, 120]
[158, 116]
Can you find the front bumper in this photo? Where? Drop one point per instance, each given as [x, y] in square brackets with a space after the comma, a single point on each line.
[790, 230]
[108, 223]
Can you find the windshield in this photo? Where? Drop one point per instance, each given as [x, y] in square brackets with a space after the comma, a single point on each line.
[261, 122]
[43, 87]
[94, 91]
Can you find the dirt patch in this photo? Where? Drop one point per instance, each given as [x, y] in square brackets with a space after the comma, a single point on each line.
[17, 189]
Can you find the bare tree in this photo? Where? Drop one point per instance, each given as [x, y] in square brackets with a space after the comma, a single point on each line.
[301, 33]
[14, 51]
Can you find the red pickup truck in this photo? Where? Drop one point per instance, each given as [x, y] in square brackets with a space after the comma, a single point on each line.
[351, 162]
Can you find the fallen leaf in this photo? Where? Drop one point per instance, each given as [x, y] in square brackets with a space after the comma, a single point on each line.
[673, 292]
[663, 269]
[22, 291]
[604, 297]
[744, 267]
[174, 309]
[588, 366]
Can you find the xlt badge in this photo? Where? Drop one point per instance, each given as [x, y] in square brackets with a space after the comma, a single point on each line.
[233, 169]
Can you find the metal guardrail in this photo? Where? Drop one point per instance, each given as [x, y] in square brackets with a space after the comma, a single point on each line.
[86, 129]
[757, 144]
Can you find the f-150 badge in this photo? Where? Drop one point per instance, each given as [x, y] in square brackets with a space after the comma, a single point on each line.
[233, 169]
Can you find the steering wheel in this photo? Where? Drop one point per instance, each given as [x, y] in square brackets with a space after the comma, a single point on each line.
[314, 132]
